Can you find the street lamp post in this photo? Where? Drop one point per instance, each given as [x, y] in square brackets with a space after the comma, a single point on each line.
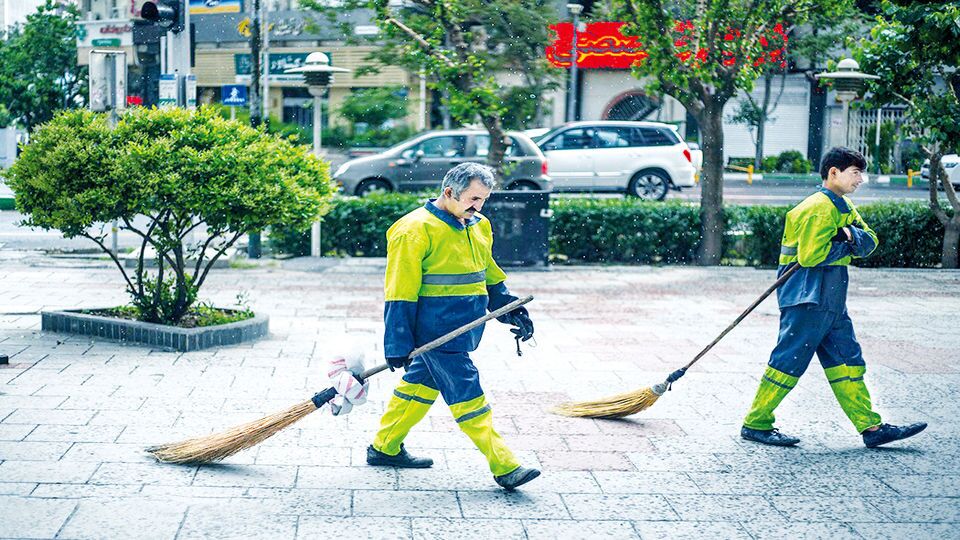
[849, 83]
[318, 74]
[575, 10]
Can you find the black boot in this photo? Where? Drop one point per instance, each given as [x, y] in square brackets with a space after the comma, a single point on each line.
[403, 459]
[772, 437]
[888, 433]
[516, 478]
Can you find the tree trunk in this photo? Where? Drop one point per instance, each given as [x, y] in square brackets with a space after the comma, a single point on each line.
[762, 123]
[951, 243]
[256, 113]
[711, 186]
[498, 145]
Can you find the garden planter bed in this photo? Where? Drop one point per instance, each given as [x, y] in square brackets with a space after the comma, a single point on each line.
[155, 335]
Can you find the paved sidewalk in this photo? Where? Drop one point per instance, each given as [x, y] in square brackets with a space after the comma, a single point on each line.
[75, 414]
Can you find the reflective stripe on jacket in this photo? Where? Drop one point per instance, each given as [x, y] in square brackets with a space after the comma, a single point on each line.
[807, 240]
[440, 275]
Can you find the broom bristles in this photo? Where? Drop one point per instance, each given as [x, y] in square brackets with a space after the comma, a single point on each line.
[617, 406]
[227, 443]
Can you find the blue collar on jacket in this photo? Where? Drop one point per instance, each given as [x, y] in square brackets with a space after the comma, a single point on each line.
[836, 200]
[448, 218]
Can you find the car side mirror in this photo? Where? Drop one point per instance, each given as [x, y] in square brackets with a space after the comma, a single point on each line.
[418, 155]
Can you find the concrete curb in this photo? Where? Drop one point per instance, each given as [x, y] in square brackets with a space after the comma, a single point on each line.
[157, 335]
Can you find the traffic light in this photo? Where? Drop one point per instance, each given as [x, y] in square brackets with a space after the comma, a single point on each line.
[165, 13]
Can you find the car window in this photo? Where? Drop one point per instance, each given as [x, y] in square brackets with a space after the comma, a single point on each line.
[447, 146]
[571, 139]
[658, 137]
[613, 137]
[483, 147]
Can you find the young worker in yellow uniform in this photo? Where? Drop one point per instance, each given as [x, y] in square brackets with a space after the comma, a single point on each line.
[441, 275]
[822, 234]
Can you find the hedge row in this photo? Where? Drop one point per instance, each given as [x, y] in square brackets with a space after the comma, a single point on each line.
[631, 232]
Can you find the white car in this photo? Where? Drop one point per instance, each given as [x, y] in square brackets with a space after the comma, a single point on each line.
[950, 164]
[643, 159]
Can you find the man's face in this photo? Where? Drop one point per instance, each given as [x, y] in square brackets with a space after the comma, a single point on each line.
[846, 181]
[470, 201]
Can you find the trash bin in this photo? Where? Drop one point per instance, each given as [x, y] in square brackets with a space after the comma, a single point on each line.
[521, 225]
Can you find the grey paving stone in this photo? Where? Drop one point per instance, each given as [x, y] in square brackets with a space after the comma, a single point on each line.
[658, 461]
[193, 493]
[918, 509]
[32, 451]
[645, 482]
[406, 504]
[225, 475]
[812, 531]
[49, 416]
[363, 477]
[311, 527]
[236, 520]
[924, 485]
[144, 473]
[831, 509]
[918, 531]
[298, 455]
[23, 517]
[518, 504]
[129, 517]
[579, 530]
[631, 507]
[304, 502]
[16, 488]
[46, 471]
[84, 491]
[691, 530]
[102, 434]
[722, 508]
[115, 452]
[465, 529]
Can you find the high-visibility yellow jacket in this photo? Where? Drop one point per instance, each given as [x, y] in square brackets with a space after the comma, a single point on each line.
[808, 240]
[440, 275]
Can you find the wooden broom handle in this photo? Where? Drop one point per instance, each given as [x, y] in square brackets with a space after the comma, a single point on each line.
[780, 281]
[449, 336]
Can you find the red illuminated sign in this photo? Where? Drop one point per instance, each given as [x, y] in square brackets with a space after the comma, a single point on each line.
[602, 45]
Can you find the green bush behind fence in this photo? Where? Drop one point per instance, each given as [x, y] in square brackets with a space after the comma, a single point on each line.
[625, 231]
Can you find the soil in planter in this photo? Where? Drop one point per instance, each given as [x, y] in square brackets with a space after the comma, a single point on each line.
[198, 316]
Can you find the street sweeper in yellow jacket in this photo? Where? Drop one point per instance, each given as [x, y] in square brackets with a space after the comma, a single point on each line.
[441, 275]
[822, 235]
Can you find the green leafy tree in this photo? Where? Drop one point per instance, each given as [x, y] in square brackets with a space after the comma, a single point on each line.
[166, 175]
[915, 49]
[38, 65]
[702, 52]
[374, 106]
[460, 45]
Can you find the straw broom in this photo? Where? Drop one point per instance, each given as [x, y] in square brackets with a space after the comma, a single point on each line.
[224, 444]
[628, 403]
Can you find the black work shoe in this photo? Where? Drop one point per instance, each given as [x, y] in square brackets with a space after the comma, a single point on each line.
[772, 437]
[403, 459]
[516, 478]
[888, 433]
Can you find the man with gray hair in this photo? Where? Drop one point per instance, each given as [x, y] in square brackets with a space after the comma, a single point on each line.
[440, 276]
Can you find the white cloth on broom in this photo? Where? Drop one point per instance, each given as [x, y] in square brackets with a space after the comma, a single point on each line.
[343, 372]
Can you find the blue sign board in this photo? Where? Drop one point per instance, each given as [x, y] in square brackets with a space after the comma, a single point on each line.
[234, 95]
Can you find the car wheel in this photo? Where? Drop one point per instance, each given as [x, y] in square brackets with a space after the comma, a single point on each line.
[372, 185]
[522, 185]
[649, 185]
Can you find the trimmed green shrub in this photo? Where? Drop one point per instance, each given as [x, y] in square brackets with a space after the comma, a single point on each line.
[624, 231]
[633, 232]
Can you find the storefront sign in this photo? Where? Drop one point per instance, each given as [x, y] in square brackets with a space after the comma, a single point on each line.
[118, 32]
[279, 63]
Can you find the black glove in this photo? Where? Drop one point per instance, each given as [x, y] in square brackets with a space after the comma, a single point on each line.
[841, 236]
[397, 362]
[520, 318]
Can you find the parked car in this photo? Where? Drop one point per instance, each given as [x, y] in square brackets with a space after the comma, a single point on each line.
[643, 159]
[420, 163]
[950, 162]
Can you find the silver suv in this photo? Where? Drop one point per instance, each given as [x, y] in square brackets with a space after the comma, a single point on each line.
[420, 163]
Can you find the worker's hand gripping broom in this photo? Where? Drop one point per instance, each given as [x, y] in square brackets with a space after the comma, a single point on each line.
[629, 403]
[220, 445]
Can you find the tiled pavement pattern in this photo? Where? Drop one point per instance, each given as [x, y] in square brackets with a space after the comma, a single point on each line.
[75, 414]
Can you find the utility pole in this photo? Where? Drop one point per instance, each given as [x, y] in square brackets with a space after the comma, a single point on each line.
[256, 111]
